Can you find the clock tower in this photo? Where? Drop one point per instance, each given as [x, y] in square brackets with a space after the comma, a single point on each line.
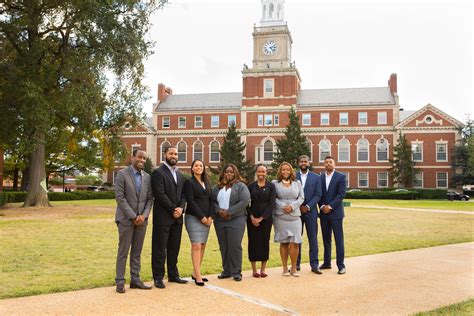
[273, 79]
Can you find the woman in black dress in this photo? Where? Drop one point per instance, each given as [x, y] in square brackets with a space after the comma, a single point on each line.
[259, 221]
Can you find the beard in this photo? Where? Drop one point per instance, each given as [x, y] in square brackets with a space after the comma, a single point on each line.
[171, 161]
[304, 168]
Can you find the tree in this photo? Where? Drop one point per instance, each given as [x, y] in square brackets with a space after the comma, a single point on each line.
[148, 166]
[293, 145]
[462, 156]
[403, 167]
[232, 152]
[57, 60]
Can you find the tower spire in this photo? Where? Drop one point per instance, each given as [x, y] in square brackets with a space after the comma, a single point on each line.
[272, 12]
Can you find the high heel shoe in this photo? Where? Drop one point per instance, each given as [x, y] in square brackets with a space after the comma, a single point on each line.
[199, 283]
[203, 279]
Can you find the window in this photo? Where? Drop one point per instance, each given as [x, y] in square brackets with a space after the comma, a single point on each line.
[276, 119]
[164, 145]
[306, 119]
[268, 120]
[363, 179]
[215, 152]
[324, 149]
[165, 123]
[417, 150]
[260, 120]
[268, 88]
[343, 118]
[232, 120]
[363, 150]
[181, 152]
[215, 121]
[441, 152]
[198, 121]
[418, 180]
[347, 177]
[268, 151]
[343, 150]
[382, 150]
[197, 150]
[362, 118]
[441, 179]
[135, 147]
[382, 179]
[381, 117]
[324, 118]
[182, 122]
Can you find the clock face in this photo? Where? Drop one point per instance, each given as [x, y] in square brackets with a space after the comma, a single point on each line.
[270, 48]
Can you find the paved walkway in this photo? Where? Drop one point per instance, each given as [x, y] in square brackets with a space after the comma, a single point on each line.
[414, 209]
[402, 283]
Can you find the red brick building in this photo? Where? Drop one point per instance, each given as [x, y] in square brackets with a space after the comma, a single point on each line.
[358, 126]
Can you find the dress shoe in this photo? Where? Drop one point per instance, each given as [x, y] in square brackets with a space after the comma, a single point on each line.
[237, 277]
[256, 275]
[323, 266]
[286, 273]
[298, 268]
[316, 270]
[199, 283]
[159, 284]
[295, 274]
[263, 275]
[203, 279]
[140, 285]
[223, 276]
[178, 280]
[342, 271]
[120, 288]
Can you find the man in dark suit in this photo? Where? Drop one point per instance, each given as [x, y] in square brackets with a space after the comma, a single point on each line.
[134, 201]
[332, 213]
[167, 184]
[309, 210]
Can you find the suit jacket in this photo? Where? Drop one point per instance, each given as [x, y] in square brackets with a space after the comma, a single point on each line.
[130, 204]
[262, 201]
[334, 195]
[168, 195]
[239, 199]
[198, 199]
[312, 190]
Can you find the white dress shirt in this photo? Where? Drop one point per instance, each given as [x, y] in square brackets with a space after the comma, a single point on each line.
[328, 179]
[173, 171]
[303, 177]
[223, 198]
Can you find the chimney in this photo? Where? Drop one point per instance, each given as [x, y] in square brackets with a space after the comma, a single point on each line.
[163, 92]
[392, 84]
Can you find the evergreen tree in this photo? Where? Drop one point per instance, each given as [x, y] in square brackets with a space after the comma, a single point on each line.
[232, 152]
[403, 167]
[293, 145]
[463, 156]
[148, 166]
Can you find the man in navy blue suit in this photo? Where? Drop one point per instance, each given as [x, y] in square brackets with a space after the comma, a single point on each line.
[332, 213]
[309, 210]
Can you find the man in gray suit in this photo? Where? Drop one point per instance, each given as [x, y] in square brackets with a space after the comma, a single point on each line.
[134, 200]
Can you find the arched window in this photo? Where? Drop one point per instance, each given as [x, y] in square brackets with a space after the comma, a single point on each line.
[215, 151]
[197, 150]
[343, 148]
[382, 149]
[181, 152]
[164, 145]
[324, 149]
[363, 150]
[270, 13]
[268, 151]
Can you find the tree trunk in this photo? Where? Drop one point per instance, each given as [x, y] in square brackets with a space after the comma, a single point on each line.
[16, 172]
[37, 190]
[24, 179]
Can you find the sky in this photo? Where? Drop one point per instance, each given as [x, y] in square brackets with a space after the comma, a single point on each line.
[201, 47]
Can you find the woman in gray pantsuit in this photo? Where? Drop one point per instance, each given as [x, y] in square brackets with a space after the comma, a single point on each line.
[231, 198]
[289, 197]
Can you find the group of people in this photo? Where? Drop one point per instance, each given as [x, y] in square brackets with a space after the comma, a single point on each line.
[287, 203]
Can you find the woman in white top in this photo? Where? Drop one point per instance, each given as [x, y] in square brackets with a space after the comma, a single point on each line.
[231, 197]
[289, 197]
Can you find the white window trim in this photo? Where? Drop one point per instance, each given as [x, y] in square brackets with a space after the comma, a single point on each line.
[378, 179]
[218, 121]
[366, 118]
[302, 119]
[338, 151]
[378, 118]
[268, 94]
[358, 179]
[319, 149]
[265, 121]
[422, 181]
[163, 122]
[260, 122]
[210, 151]
[340, 122]
[135, 146]
[262, 144]
[185, 153]
[179, 123]
[368, 151]
[329, 119]
[436, 151]
[377, 151]
[447, 180]
[228, 121]
[276, 119]
[194, 152]
[421, 143]
[161, 149]
[195, 121]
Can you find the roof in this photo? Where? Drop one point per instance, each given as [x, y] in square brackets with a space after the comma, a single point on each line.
[405, 114]
[350, 96]
[202, 101]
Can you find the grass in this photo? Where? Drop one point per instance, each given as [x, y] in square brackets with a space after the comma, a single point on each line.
[73, 245]
[428, 204]
[463, 308]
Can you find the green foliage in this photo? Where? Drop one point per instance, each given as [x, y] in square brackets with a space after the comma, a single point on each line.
[293, 145]
[232, 152]
[462, 158]
[383, 195]
[148, 167]
[89, 180]
[431, 194]
[403, 167]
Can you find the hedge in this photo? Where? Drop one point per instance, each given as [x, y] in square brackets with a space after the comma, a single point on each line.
[432, 194]
[383, 195]
[16, 197]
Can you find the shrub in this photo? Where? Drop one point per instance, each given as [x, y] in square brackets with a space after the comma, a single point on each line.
[383, 195]
[89, 180]
[432, 194]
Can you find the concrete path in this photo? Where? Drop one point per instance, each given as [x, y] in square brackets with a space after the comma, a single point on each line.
[413, 209]
[399, 283]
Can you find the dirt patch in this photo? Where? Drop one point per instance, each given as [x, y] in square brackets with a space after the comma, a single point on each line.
[56, 212]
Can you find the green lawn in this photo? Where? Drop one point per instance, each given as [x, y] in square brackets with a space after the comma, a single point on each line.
[463, 308]
[429, 204]
[73, 245]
